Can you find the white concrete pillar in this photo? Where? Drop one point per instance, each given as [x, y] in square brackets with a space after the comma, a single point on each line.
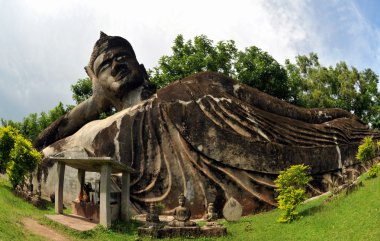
[59, 187]
[81, 178]
[125, 195]
[104, 206]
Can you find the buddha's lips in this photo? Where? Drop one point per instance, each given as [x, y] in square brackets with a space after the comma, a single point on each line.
[122, 75]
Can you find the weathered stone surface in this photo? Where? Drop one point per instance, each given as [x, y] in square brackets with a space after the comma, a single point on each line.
[207, 136]
[185, 232]
[232, 210]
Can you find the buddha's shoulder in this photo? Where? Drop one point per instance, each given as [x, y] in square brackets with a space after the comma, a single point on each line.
[196, 84]
[206, 77]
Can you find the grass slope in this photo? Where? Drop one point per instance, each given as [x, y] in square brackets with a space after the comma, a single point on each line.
[12, 210]
[349, 217]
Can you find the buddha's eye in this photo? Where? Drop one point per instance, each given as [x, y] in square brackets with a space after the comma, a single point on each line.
[104, 66]
[121, 58]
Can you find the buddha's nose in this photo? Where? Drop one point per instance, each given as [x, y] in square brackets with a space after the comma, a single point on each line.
[117, 67]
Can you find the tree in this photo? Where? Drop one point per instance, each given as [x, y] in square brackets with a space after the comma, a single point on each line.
[367, 100]
[257, 68]
[82, 90]
[194, 56]
[56, 112]
[313, 85]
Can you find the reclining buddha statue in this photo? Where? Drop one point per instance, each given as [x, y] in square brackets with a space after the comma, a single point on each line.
[207, 136]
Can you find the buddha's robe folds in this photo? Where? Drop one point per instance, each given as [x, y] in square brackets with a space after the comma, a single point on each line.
[211, 138]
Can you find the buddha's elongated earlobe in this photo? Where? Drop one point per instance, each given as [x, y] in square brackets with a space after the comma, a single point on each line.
[89, 72]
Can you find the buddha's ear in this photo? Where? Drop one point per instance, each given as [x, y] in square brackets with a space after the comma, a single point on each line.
[90, 73]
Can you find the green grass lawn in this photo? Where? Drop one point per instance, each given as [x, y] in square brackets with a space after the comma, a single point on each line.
[349, 217]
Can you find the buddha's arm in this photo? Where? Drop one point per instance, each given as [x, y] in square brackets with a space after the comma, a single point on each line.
[69, 123]
[199, 85]
[276, 106]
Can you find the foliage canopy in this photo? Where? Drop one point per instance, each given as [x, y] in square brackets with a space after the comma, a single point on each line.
[313, 85]
[366, 150]
[82, 90]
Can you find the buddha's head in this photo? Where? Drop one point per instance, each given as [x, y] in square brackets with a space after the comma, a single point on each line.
[210, 208]
[152, 208]
[113, 67]
[181, 200]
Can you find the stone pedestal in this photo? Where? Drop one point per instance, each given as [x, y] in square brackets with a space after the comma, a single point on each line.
[214, 231]
[186, 232]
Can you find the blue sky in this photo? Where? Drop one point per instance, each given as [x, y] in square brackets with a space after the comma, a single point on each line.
[44, 45]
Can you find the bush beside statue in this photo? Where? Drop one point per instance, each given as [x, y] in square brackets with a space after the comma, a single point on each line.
[18, 159]
[17, 155]
[291, 187]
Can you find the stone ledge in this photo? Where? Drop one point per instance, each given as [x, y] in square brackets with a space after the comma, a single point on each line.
[188, 232]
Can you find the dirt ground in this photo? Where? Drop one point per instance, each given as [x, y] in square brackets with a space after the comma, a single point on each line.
[34, 227]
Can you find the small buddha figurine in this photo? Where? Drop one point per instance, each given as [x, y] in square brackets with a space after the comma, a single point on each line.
[181, 214]
[211, 215]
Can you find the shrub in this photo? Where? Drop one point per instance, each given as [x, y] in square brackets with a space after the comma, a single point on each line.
[373, 171]
[366, 150]
[291, 186]
[18, 157]
[7, 139]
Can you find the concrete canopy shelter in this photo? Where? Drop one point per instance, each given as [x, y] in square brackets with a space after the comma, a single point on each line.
[104, 165]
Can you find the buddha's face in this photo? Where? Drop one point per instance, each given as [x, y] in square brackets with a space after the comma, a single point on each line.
[181, 202]
[210, 209]
[118, 71]
[151, 208]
